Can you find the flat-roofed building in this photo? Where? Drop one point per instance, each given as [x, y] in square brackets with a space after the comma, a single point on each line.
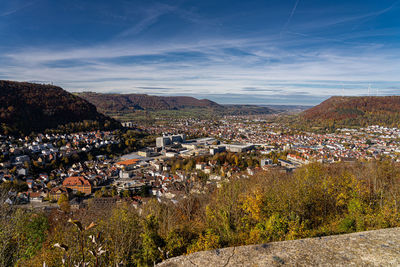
[266, 162]
[128, 124]
[163, 141]
[287, 164]
[218, 149]
[144, 153]
[170, 139]
[239, 148]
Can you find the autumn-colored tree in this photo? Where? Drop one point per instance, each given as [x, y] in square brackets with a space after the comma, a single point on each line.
[63, 203]
[151, 242]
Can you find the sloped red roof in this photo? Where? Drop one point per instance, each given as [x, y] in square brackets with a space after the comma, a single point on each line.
[35, 194]
[75, 180]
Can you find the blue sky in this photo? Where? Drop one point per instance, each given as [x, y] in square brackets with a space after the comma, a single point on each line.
[255, 52]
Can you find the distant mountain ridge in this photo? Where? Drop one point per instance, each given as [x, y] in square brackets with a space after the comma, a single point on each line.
[355, 111]
[26, 107]
[113, 103]
[120, 102]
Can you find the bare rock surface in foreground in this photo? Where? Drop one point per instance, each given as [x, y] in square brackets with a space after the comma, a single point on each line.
[372, 248]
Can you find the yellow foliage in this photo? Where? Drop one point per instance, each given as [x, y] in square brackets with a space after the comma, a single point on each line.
[251, 203]
[206, 241]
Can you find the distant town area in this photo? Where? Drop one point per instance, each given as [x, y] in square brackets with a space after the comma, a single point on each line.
[87, 169]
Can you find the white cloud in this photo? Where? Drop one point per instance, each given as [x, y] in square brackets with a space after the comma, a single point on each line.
[220, 66]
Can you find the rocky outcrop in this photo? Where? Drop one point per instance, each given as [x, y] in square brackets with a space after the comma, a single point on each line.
[372, 248]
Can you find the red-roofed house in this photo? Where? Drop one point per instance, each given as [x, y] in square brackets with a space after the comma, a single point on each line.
[127, 164]
[78, 183]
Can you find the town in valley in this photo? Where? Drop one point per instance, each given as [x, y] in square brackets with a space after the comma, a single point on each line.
[184, 156]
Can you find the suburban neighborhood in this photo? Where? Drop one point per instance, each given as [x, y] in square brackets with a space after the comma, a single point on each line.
[173, 165]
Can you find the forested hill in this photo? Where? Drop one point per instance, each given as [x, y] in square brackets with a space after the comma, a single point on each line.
[27, 107]
[355, 111]
[123, 106]
[121, 102]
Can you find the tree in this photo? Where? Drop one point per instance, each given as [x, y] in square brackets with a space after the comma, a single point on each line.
[190, 165]
[206, 241]
[98, 194]
[126, 193]
[122, 229]
[63, 203]
[34, 233]
[49, 185]
[151, 241]
[22, 234]
[114, 191]
[82, 244]
[236, 159]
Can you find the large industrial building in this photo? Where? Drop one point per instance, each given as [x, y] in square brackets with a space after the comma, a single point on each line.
[170, 139]
[238, 148]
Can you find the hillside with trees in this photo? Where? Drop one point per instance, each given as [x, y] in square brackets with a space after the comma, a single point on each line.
[27, 107]
[354, 111]
[134, 106]
[121, 102]
[316, 200]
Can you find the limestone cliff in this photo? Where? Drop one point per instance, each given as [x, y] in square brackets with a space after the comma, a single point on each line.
[372, 248]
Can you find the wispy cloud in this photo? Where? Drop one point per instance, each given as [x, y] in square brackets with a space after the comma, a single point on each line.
[151, 16]
[264, 90]
[290, 16]
[153, 88]
[343, 19]
[17, 6]
[321, 73]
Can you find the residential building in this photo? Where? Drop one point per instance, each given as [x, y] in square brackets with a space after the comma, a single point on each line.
[78, 183]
